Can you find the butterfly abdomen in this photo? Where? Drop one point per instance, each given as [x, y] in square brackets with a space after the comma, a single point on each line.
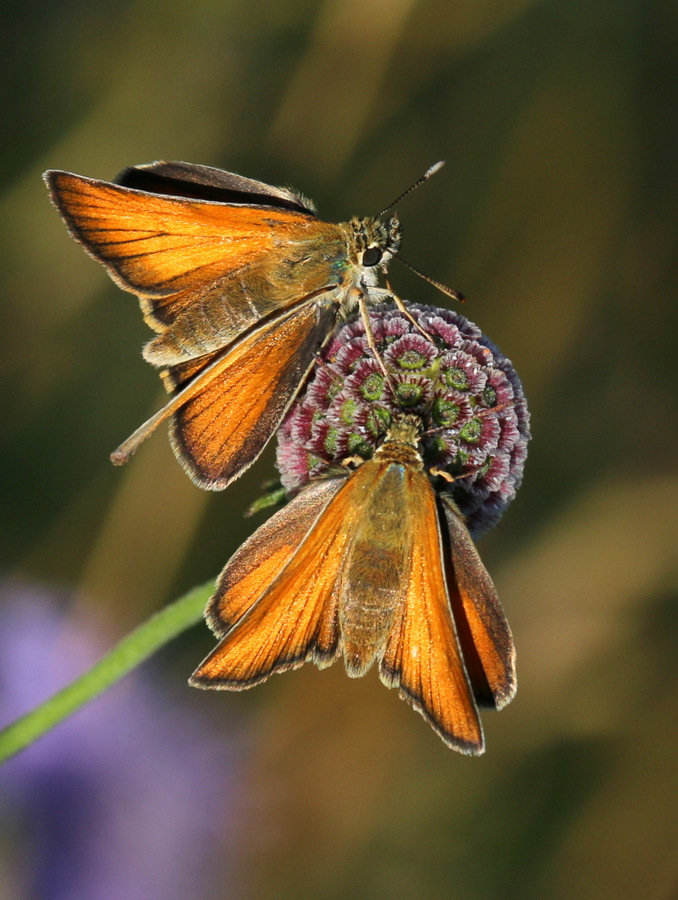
[370, 598]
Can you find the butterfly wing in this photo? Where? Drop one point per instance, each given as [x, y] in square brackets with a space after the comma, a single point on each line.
[296, 617]
[223, 429]
[157, 245]
[226, 406]
[483, 629]
[185, 256]
[423, 657]
[181, 179]
[257, 563]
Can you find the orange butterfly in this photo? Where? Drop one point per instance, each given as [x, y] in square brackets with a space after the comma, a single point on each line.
[242, 283]
[373, 567]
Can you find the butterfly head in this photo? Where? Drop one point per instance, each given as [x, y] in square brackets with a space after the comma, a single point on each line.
[374, 243]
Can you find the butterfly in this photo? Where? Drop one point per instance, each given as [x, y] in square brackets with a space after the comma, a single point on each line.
[243, 284]
[377, 567]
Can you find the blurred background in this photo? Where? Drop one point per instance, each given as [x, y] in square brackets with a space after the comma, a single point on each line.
[556, 216]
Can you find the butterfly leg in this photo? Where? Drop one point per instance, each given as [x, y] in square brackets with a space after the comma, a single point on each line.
[371, 343]
[405, 311]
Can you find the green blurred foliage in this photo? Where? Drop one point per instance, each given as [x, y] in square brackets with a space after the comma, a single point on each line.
[556, 216]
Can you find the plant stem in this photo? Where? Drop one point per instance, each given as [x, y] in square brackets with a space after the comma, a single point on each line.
[125, 656]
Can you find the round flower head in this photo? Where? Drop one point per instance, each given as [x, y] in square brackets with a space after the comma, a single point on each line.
[466, 393]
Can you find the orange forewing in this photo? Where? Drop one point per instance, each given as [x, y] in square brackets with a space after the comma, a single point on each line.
[423, 658]
[296, 616]
[157, 245]
[258, 562]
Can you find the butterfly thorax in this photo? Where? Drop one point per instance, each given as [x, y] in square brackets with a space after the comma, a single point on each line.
[401, 445]
[344, 258]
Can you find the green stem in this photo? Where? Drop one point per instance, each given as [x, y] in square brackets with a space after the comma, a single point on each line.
[125, 656]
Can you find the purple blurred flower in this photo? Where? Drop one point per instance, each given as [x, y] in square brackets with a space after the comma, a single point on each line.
[131, 798]
[474, 418]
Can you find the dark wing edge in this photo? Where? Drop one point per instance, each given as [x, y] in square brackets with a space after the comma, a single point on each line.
[181, 179]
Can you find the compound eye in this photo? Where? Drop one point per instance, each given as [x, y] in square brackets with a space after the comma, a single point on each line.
[372, 256]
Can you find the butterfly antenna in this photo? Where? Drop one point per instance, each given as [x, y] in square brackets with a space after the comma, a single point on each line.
[425, 177]
[448, 291]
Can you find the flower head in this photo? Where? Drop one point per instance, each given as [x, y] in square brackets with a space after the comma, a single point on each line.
[474, 418]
